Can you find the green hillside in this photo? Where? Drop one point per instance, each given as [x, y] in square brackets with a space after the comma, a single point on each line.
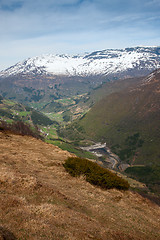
[128, 121]
[49, 93]
[15, 114]
[150, 175]
[108, 88]
[13, 111]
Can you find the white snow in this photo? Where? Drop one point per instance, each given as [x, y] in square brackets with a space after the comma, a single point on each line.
[96, 63]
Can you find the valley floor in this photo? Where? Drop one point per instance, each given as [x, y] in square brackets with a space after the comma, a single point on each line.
[40, 200]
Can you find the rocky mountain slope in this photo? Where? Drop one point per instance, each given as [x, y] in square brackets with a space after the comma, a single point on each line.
[137, 60]
[40, 200]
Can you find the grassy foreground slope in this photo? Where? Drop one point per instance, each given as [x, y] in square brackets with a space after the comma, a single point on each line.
[40, 200]
[128, 121]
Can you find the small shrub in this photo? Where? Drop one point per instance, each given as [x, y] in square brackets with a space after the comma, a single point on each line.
[94, 174]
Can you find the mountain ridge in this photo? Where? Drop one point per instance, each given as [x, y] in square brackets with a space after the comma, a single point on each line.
[105, 62]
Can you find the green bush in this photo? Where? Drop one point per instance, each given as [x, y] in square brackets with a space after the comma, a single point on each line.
[94, 174]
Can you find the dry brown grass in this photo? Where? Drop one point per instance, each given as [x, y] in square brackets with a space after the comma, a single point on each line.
[39, 200]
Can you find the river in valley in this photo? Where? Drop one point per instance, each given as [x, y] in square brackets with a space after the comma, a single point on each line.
[104, 154]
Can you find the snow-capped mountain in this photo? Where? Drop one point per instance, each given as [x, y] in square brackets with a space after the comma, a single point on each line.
[105, 62]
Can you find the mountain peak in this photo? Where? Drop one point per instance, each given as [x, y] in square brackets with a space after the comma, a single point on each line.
[105, 62]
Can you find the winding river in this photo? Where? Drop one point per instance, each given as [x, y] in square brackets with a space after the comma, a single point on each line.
[104, 154]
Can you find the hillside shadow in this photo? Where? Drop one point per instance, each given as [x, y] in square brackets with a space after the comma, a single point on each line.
[5, 234]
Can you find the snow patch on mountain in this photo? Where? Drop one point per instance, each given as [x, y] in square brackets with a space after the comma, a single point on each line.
[110, 61]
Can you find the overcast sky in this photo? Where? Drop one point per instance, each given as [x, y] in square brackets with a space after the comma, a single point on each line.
[33, 27]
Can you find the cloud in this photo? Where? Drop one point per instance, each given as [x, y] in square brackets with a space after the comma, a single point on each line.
[153, 3]
[30, 27]
[11, 7]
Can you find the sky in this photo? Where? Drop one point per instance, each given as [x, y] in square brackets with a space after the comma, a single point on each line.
[31, 28]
